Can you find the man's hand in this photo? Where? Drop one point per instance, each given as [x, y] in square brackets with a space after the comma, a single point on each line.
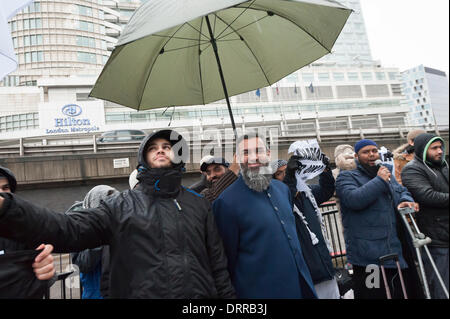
[409, 204]
[293, 165]
[384, 173]
[326, 162]
[235, 166]
[43, 265]
[1, 202]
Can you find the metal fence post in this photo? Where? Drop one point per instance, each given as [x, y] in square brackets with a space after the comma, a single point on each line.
[94, 143]
[21, 149]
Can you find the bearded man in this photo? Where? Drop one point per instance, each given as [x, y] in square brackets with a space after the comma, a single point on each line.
[257, 226]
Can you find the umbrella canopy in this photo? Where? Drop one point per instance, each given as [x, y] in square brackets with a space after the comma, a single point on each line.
[171, 51]
[8, 59]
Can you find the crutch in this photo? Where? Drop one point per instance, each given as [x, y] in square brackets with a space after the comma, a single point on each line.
[419, 241]
[394, 257]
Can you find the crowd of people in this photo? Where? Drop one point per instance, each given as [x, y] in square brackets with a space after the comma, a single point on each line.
[245, 230]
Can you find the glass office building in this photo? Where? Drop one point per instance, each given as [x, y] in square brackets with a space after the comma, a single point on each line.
[426, 93]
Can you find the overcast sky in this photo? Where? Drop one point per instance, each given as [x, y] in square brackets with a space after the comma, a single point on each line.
[407, 33]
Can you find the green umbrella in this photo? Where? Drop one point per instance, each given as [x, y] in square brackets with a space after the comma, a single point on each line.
[193, 52]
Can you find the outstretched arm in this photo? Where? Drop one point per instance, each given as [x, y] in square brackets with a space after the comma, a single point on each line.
[25, 222]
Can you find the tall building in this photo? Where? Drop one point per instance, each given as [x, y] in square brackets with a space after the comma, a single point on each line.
[426, 92]
[64, 38]
[352, 47]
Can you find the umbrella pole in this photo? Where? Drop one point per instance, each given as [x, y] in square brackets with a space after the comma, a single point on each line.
[216, 53]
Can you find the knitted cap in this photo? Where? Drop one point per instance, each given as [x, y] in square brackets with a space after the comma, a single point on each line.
[363, 143]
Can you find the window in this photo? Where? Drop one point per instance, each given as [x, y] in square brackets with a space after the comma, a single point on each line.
[86, 26]
[367, 76]
[14, 42]
[380, 76]
[32, 24]
[392, 76]
[308, 77]
[13, 26]
[85, 41]
[324, 76]
[85, 11]
[19, 122]
[34, 7]
[338, 76]
[32, 40]
[35, 56]
[86, 57]
[353, 76]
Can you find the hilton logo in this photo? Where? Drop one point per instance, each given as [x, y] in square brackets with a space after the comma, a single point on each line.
[71, 110]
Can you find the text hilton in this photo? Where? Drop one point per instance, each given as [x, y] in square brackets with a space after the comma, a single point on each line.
[69, 121]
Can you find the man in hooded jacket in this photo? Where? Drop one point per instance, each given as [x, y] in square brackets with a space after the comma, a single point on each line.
[94, 263]
[162, 237]
[426, 177]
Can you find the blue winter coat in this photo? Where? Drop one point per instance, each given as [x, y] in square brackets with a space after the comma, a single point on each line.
[369, 208]
[258, 231]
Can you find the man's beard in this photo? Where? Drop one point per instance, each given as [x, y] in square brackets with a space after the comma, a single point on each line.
[210, 183]
[257, 179]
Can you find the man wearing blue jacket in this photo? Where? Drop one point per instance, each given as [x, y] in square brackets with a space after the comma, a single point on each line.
[370, 197]
[255, 220]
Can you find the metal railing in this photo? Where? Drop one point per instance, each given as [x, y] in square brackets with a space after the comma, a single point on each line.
[68, 284]
[335, 233]
[87, 144]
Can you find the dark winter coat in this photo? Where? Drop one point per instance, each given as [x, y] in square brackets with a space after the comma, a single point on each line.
[369, 216]
[163, 238]
[428, 183]
[258, 229]
[316, 256]
[17, 278]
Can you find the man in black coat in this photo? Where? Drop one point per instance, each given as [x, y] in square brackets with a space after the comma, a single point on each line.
[24, 272]
[426, 177]
[163, 238]
[310, 226]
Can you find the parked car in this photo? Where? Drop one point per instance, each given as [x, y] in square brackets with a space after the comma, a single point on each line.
[121, 136]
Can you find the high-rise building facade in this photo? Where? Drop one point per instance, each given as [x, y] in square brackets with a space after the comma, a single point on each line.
[352, 47]
[61, 38]
[426, 92]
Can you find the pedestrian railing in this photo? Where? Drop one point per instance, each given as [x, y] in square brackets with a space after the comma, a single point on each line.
[335, 232]
[67, 284]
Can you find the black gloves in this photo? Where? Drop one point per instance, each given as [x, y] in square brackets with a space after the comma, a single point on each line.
[293, 165]
[326, 162]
